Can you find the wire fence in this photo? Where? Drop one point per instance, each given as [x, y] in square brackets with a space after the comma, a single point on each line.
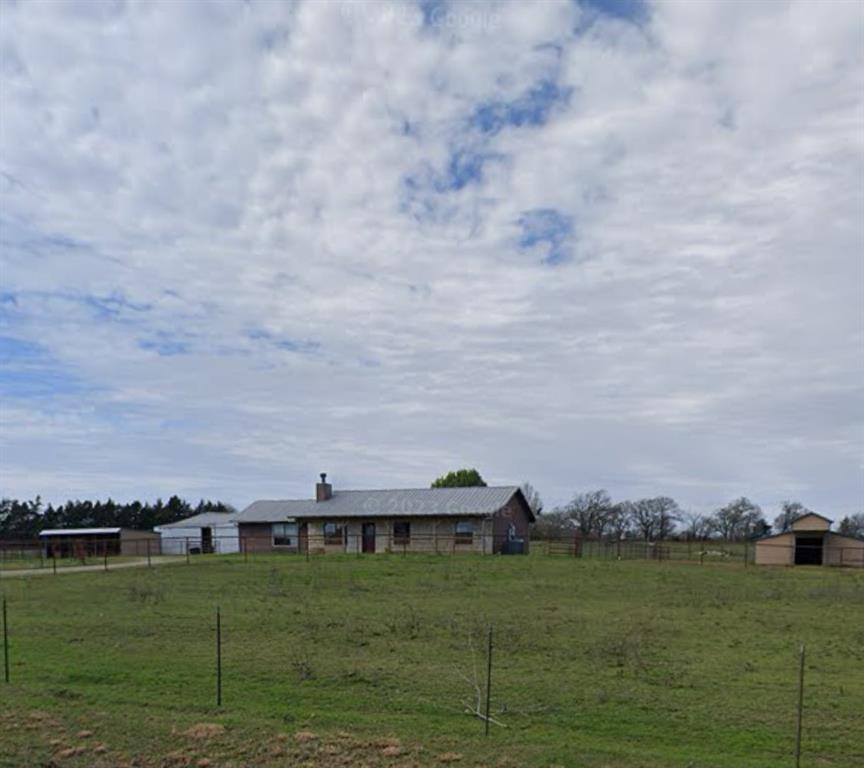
[478, 697]
[94, 551]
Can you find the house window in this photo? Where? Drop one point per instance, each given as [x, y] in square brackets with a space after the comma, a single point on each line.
[284, 534]
[333, 533]
[401, 533]
[464, 532]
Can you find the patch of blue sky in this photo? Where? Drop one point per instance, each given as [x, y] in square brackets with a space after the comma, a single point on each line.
[636, 11]
[165, 344]
[531, 109]
[8, 307]
[113, 305]
[27, 370]
[300, 346]
[550, 228]
[433, 11]
[18, 235]
[464, 166]
[13, 350]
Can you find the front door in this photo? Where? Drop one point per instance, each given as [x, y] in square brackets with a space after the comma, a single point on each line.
[368, 537]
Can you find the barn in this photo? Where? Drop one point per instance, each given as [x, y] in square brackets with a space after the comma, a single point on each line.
[97, 542]
[486, 520]
[810, 541]
[204, 533]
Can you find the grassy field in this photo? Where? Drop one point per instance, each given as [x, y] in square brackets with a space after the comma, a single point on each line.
[345, 661]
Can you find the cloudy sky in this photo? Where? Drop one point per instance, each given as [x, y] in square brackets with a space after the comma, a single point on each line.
[589, 245]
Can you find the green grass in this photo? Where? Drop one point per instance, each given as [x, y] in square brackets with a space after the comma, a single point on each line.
[596, 663]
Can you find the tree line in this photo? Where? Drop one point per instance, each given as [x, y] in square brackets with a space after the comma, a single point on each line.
[592, 514]
[25, 519]
[595, 515]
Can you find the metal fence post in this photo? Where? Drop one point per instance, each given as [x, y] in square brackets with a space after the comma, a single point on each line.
[218, 657]
[149, 564]
[187, 550]
[54, 561]
[800, 709]
[488, 679]
[245, 547]
[5, 642]
[105, 555]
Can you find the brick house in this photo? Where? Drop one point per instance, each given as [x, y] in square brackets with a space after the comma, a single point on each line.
[443, 520]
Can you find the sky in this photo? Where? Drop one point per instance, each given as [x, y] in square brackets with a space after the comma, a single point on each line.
[586, 245]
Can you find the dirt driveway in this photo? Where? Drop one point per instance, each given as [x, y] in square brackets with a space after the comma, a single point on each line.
[46, 571]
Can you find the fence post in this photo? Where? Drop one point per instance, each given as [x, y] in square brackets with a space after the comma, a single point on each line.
[218, 657]
[149, 564]
[488, 679]
[5, 642]
[54, 561]
[800, 708]
[187, 550]
[105, 555]
[245, 549]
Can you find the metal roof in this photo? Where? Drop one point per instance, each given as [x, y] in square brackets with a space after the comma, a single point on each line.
[204, 520]
[811, 514]
[412, 502]
[79, 531]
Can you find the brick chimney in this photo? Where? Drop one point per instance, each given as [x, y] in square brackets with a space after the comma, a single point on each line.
[323, 490]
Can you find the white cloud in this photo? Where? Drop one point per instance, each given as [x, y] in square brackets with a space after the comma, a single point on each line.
[301, 205]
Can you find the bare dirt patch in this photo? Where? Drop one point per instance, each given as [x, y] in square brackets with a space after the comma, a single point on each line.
[204, 731]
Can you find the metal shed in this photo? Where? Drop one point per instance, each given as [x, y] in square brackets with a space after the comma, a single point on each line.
[205, 533]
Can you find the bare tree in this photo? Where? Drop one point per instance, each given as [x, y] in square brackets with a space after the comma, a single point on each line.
[697, 525]
[655, 518]
[474, 705]
[852, 525]
[739, 519]
[533, 498]
[590, 512]
[619, 520]
[553, 524]
[790, 511]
